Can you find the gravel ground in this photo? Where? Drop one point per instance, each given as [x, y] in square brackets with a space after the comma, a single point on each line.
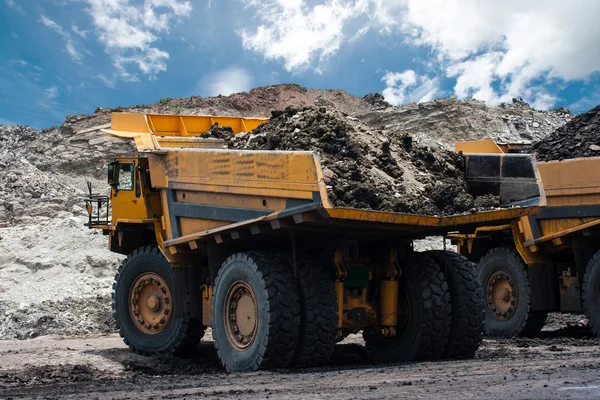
[552, 367]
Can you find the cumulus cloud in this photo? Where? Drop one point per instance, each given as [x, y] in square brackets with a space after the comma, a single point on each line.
[499, 50]
[227, 81]
[295, 33]
[69, 44]
[128, 30]
[493, 50]
[408, 87]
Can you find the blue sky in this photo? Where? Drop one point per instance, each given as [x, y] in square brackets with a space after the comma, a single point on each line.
[60, 57]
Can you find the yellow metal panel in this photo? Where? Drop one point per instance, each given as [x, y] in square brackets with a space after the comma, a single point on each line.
[421, 220]
[571, 182]
[246, 169]
[232, 200]
[129, 123]
[478, 146]
[565, 232]
[193, 225]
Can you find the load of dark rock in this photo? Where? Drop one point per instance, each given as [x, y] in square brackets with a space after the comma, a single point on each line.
[367, 168]
[218, 132]
[580, 137]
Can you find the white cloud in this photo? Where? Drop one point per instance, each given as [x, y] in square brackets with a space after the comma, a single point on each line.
[13, 4]
[226, 82]
[52, 25]
[109, 83]
[296, 33]
[69, 44]
[51, 93]
[129, 30]
[77, 31]
[14, 35]
[408, 87]
[500, 50]
[495, 50]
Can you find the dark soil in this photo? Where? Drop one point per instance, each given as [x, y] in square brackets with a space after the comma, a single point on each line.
[219, 132]
[580, 137]
[365, 168]
[377, 100]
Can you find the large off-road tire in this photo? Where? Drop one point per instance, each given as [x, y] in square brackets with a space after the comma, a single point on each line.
[590, 293]
[142, 294]
[318, 313]
[503, 276]
[424, 316]
[256, 313]
[467, 301]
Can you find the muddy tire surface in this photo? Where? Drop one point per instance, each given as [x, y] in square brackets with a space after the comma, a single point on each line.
[467, 301]
[426, 332]
[318, 313]
[590, 293]
[256, 312]
[178, 334]
[503, 276]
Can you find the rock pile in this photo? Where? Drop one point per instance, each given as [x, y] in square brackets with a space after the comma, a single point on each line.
[363, 167]
[443, 122]
[580, 137]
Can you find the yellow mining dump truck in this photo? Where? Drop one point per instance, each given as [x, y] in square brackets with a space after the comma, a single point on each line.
[545, 262]
[247, 242]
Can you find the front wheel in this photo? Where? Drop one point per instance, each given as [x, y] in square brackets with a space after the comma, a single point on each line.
[503, 276]
[256, 313]
[143, 306]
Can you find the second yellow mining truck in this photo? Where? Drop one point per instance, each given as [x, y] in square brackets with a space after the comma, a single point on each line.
[248, 243]
[541, 263]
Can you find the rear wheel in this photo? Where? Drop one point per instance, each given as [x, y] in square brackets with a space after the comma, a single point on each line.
[423, 316]
[590, 293]
[467, 301]
[256, 312]
[143, 306]
[318, 313]
[503, 276]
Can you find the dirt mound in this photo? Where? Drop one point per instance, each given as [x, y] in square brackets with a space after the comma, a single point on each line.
[365, 168]
[376, 100]
[443, 122]
[70, 316]
[219, 132]
[260, 101]
[580, 137]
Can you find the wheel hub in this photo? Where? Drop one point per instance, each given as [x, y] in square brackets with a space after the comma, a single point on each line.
[150, 303]
[502, 294]
[241, 315]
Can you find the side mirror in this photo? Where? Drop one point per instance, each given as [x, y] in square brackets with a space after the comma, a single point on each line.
[111, 173]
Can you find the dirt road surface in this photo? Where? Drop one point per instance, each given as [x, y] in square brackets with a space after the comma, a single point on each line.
[560, 364]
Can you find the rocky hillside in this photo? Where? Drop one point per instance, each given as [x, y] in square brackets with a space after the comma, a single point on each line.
[55, 274]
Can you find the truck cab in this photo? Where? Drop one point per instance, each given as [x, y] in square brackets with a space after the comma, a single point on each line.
[133, 206]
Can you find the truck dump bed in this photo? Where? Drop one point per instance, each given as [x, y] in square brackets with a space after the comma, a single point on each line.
[572, 191]
[215, 193]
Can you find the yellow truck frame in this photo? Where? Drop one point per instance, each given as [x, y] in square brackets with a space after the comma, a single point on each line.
[248, 243]
[544, 262]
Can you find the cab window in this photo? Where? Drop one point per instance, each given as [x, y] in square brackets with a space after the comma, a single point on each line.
[125, 177]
